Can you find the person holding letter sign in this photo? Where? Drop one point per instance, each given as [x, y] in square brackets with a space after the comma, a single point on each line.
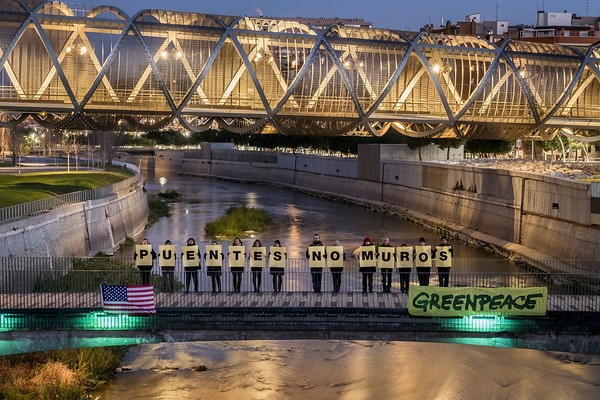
[335, 262]
[258, 258]
[190, 256]
[315, 253]
[214, 262]
[404, 259]
[277, 257]
[166, 261]
[237, 260]
[367, 264]
[423, 256]
[387, 258]
[144, 259]
[443, 255]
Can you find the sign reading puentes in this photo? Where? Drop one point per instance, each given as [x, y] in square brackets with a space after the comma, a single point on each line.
[429, 301]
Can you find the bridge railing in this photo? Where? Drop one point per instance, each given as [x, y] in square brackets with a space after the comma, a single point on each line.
[32, 283]
[30, 208]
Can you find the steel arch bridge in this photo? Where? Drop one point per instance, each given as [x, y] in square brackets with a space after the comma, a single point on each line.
[101, 69]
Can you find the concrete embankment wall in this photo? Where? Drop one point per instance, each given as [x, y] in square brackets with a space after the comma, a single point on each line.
[78, 229]
[550, 215]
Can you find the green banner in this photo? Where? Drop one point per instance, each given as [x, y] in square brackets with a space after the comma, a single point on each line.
[431, 301]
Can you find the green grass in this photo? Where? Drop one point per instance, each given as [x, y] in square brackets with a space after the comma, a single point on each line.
[238, 222]
[26, 187]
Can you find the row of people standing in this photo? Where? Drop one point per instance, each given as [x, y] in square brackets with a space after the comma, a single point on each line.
[386, 256]
[191, 259]
[368, 254]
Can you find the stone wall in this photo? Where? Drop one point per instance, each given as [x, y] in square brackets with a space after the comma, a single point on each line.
[548, 214]
[79, 229]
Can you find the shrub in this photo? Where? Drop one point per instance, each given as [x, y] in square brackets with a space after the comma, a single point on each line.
[238, 221]
[170, 195]
[70, 374]
[158, 208]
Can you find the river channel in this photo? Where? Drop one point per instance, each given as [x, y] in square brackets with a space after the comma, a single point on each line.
[296, 217]
[320, 369]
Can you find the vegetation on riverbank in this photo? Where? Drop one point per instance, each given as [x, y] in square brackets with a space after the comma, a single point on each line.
[158, 208]
[26, 187]
[85, 275]
[238, 222]
[71, 374]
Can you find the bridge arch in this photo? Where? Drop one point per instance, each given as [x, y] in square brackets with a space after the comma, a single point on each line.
[105, 70]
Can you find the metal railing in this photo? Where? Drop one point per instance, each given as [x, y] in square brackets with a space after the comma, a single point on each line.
[28, 209]
[74, 282]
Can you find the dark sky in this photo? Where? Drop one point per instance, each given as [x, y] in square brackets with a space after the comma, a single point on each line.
[394, 14]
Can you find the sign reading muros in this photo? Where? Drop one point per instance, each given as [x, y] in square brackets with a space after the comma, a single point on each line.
[457, 302]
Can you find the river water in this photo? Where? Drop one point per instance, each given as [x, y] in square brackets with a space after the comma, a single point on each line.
[350, 370]
[296, 217]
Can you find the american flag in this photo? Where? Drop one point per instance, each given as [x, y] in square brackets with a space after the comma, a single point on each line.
[128, 299]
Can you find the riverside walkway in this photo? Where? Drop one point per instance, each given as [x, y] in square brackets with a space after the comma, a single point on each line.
[263, 300]
[44, 317]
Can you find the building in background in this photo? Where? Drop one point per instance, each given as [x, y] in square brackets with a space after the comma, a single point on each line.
[561, 28]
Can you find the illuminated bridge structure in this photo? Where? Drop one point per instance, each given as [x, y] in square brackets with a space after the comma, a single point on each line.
[102, 69]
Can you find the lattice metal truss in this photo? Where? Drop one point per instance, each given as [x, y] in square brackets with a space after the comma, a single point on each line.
[101, 69]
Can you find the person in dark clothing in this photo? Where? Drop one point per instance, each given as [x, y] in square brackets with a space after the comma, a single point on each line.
[336, 272]
[367, 271]
[316, 273]
[442, 253]
[257, 270]
[145, 264]
[237, 271]
[192, 259]
[405, 261]
[386, 273]
[277, 272]
[214, 271]
[168, 267]
[423, 263]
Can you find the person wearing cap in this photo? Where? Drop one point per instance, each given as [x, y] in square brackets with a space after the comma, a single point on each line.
[367, 268]
[422, 257]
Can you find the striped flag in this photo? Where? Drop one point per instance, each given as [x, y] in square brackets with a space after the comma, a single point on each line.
[131, 299]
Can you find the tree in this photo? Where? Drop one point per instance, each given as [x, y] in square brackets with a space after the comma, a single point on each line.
[552, 145]
[16, 142]
[448, 144]
[4, 135]
[107, 142]
[483, 148]
[417, 143]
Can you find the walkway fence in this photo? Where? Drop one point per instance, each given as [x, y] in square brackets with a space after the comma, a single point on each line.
[28, 209]
[38, 283]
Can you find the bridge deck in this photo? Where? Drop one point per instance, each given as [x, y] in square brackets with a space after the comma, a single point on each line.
[572, 303]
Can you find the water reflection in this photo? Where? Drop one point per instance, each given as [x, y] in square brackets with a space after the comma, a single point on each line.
[352, 370]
